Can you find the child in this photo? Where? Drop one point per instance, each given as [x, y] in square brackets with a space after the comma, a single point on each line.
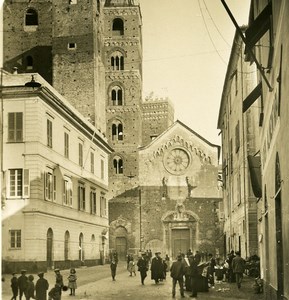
[29, 292]
[131, 267]
[14, 286]
[72, 282]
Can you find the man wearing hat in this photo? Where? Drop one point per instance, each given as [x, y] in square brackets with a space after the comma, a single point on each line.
[157, 268]
[142, 267]
[41, 287]
[177, 273]
[14, 286]
[22, 283]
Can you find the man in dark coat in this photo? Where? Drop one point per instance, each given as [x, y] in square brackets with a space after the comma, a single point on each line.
[157, 268]
[238, 266]
[142, 265]
[22, 283]
[41, 287]
[194, 274]
[177, 273]
[14, 286]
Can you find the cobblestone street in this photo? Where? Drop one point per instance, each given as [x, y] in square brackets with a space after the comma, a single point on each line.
[95, 283]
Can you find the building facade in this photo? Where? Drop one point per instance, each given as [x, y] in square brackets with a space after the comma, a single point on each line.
[55, 180]
[267, 36]
[267, 41]
[239, 133]
[177, 204]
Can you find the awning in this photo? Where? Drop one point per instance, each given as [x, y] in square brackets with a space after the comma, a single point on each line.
[255, 174]
[252, 97]
[258, 27]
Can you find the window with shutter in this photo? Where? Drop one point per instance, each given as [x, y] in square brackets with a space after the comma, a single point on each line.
[15, 127]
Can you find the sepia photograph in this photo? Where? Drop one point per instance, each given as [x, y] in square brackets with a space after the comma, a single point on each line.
[144, 149]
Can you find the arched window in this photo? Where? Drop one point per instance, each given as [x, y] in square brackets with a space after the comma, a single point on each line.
[31, 17]
[117, 27]
[117, 131]
[29, 62]
[118, 165]
[116, 95]
[66, 245]
[117, 61]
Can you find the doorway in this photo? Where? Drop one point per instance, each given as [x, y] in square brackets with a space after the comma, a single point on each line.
[180, 241]
[49, 248]
[121, 247]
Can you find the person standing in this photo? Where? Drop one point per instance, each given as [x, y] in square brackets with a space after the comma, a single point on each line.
[194, 273]
[72, 281]
[41, 287]
[22, 283]
[142, 267]
[131, 266]
[177, 273]
[211, 270]
[238, 266]
[113, 266]
[29, 292]
[231, 276]
[157, 268]
[14, 286]
[59, 280]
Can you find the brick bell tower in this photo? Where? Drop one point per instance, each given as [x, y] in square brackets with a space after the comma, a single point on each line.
[123, 84]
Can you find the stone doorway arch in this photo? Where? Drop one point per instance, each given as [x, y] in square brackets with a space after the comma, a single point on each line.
[181, 230]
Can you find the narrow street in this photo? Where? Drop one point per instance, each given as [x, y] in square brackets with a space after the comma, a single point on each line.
[95, 283]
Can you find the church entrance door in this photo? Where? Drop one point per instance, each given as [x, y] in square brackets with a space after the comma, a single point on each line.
[180, 241]
[121, 247]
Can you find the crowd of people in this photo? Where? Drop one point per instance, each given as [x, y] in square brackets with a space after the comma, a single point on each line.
[25, 287]
[192, 272]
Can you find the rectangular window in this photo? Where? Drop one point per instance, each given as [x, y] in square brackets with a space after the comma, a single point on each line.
[101, 169]
[49, 133]
[66, 145]
[49, 189]
[102, 205]
[15, 127]
[93, 201]
[92, 162]
[15, 239]
[80, 154]
[18, 183]
[67, 192]
[81, 197]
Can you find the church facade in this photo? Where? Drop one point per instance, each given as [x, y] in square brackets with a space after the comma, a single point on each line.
[177, 204]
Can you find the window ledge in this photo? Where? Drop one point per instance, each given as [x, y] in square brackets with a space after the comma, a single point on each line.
[30, 28]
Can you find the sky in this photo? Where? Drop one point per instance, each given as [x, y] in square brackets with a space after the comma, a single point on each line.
[186, 48]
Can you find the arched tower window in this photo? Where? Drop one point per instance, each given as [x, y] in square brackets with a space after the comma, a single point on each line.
[117, 131]
[116, 95]
[117, 27]
[117, 61]
[29, 62]
[118, 165]
[31, 17]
